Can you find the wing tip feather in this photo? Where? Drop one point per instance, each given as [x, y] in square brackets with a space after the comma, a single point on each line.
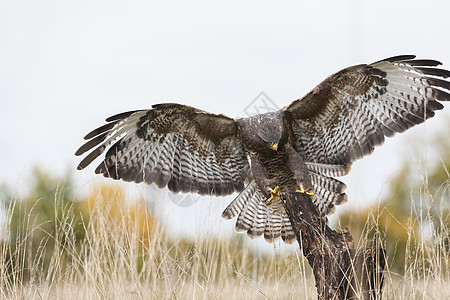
[397, 58]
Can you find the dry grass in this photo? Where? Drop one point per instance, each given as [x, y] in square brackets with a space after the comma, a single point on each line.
[116, 259]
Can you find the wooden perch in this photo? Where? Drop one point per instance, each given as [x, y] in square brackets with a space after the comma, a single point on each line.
[340, 271]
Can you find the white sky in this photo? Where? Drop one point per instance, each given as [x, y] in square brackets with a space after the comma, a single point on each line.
[67, 65]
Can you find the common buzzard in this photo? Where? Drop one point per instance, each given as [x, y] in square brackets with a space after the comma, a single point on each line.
[304, 146]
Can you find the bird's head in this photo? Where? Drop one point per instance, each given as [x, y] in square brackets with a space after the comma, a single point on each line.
[264, 131]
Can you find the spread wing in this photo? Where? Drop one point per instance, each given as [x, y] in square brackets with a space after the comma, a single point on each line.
[352, 111]
[171, 145]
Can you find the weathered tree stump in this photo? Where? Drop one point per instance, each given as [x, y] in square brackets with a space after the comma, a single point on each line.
[340, 271]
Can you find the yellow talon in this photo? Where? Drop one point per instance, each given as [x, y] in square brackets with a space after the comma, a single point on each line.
[274, 193]
[302, 190]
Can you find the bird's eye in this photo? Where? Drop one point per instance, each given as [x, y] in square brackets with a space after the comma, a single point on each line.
[262, 140]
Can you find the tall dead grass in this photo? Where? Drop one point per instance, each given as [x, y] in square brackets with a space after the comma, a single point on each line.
[115, 260]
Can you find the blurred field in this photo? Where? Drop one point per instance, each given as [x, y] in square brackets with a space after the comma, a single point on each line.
[104, 248]
[124, 253]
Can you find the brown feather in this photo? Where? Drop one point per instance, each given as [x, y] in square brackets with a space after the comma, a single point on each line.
[350, 112]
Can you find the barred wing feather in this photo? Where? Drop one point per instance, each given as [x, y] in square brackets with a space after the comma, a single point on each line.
[171, 145]
[352, 111]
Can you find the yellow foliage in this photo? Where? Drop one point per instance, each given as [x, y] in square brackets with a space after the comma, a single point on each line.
[110, 203]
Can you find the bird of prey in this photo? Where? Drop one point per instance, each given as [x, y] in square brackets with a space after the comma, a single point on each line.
[302, 147]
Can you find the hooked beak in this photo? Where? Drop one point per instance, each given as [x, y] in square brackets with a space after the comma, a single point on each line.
[275, 147]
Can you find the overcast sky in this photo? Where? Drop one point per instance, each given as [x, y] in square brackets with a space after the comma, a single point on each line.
[67, 65]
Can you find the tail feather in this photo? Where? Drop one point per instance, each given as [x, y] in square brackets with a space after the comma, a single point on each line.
[247, 217]
[328, 192]
[272, 231]
[237, 205]
[258, 218]
[259, 221]
[287, 233]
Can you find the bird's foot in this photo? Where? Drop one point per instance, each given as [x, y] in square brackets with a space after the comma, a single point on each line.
[273, 193]
[302, 190]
